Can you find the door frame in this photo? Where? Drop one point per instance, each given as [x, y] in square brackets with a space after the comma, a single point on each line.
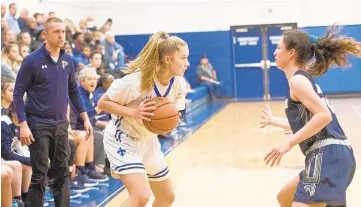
[266, 63]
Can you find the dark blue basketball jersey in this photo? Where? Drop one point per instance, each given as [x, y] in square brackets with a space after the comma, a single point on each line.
[298, 116]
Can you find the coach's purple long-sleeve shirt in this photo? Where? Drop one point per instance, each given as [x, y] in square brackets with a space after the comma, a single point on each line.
[49, 85]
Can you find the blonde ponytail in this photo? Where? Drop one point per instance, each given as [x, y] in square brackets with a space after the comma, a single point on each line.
[147, 61]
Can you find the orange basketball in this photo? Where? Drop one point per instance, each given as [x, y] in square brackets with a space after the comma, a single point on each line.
[166, 116]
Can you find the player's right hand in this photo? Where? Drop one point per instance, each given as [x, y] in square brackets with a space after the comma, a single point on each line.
[26, 137]
[267, 117]
[145, 110]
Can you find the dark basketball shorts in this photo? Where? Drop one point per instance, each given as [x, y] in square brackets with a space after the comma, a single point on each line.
[329, 171]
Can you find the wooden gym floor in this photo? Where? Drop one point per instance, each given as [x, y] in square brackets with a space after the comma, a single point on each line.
[222, 164]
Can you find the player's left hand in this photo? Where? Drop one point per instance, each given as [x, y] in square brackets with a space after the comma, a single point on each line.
[276, 153]
[88, 128]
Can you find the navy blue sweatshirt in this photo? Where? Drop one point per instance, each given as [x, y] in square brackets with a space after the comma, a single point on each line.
[7, 135]
[49, 85]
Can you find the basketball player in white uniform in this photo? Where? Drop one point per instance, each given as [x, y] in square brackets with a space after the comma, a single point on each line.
[134, 152]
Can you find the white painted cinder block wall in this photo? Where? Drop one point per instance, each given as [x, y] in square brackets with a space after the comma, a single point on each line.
[148, 16]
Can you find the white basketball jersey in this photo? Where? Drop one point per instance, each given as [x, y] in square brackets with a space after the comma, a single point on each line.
[126, 91]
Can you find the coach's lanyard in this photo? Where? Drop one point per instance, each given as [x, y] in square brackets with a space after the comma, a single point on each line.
[167, 91]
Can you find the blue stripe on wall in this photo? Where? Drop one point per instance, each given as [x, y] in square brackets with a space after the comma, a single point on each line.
[217, 46]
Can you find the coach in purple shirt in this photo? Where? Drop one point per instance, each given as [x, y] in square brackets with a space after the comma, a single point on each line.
[47, 77]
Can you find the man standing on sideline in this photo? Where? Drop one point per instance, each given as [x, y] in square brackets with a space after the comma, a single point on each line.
[47, 77]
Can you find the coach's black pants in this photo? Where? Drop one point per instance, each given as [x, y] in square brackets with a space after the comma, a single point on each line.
[50, 142]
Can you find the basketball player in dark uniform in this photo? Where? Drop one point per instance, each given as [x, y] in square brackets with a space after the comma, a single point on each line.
[330, 163]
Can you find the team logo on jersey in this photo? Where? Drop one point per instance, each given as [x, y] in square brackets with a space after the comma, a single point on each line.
[121, 151]
[311, 188]
[64, 63]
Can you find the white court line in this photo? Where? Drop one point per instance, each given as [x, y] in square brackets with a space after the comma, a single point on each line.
[112, 196]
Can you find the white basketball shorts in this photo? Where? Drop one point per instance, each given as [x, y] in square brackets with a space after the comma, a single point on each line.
[127, 155]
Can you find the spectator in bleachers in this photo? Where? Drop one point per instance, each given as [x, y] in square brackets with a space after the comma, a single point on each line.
[30, 28]
[98, 47]
[8, 37]
[82, 26]
[69, 36]
[90, 24]
[7, 90]
[68, 50]
[40, 21]
[70, 25]
[24, 15]
[13, 23]
[46, 17]
[88, 79]
[24, 51]
[88, 39]
[16, 182]
[7, 72]
[12, 149]
[96, 37]
[78, 43]
[6, 192]
[4, 26]
[104, 83]
[51, 15]
[84, 55]
[113, 51]
[24, 38]
[106, 28]
[39, 40]
[95, 61]
[3, 10]
[208, 77]
[106, 80]
[10, 56]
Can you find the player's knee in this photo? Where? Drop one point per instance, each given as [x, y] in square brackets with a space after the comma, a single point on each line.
[6, 176]
[17, 167]
[282, 200]
[141, 199]
[79, 141]
[169, 198]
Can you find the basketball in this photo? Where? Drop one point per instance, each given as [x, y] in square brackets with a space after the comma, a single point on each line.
[166, 116]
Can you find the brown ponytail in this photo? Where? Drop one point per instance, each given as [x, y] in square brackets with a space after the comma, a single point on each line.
[324, 52]
[332, 51]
